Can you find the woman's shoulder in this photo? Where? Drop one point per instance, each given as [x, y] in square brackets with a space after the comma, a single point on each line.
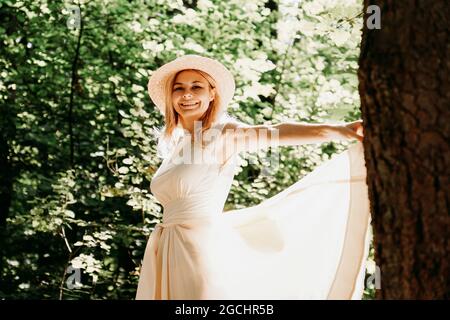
[230, 123]
[219, 129]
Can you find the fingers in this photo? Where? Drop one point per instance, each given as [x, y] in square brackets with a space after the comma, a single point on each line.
[357, 129]
[359, 136]
[353, 135]
[360, 131]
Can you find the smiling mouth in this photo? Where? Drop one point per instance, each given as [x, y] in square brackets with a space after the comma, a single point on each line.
[189, 105]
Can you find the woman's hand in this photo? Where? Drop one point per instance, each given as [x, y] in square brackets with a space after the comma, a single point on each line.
[352, 130]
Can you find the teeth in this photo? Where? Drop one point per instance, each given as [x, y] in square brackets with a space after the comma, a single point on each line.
[188, 104]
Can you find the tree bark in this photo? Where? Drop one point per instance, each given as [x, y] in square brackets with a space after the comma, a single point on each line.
[405, 98]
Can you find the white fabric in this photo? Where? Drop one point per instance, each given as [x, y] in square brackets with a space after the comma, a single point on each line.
[308, 242]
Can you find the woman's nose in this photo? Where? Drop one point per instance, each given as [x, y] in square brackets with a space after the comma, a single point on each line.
[187, 95]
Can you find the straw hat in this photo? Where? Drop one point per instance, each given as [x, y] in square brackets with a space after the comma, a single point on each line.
[224, 78]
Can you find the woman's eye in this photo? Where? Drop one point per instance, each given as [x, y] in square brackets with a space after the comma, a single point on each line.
[180, 88]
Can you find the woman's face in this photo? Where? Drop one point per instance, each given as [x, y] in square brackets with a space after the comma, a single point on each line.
[191, 94]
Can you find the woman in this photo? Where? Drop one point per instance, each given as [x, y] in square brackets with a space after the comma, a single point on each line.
[308, 242]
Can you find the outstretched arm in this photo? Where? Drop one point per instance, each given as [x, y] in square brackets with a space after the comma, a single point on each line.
[243, 137]
[295, 133]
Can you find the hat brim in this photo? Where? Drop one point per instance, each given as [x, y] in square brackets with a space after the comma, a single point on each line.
[223, 77]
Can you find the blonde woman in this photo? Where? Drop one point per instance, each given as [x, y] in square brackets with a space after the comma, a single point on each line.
[309, 241]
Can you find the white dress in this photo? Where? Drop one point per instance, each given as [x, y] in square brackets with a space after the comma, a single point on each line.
[309, 241]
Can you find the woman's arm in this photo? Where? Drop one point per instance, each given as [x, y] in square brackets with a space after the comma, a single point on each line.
[295, 133]
[243, 137]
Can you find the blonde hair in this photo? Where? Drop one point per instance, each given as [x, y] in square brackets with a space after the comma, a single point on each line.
[169, 134]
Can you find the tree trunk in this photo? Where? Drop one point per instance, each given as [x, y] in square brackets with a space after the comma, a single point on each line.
[405, 98]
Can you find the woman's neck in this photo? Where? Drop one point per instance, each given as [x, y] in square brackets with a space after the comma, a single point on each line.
[190, 125]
